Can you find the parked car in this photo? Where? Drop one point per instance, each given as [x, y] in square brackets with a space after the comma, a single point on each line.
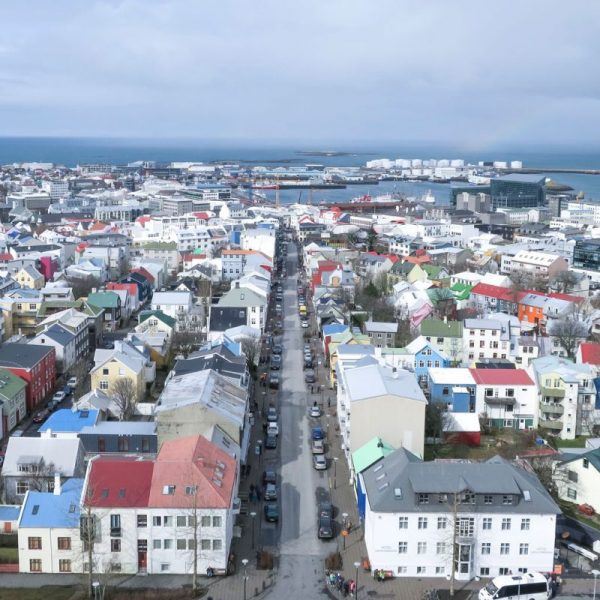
[59, 397]
[275, 362]
[317, 433]
[270, 491]
[269, 477]
[277, 349]
[315, 411]
[319, 462]
[326, 508]
[274, 381]
[73, 382]
[272, 428]
[271, 442]
[304, 324]
[586, 509]
[271, 512]
[271, 414]
[318, 447]
[309, 377]
[325, 527]
[41, 416]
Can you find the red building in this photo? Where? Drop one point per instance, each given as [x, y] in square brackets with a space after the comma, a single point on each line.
[36, 365]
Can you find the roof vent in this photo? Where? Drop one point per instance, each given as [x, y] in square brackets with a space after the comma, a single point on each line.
[527, 495]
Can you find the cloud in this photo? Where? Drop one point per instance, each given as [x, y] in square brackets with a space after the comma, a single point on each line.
[465, 72]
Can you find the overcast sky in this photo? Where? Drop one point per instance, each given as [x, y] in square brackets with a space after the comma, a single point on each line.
[478, 74]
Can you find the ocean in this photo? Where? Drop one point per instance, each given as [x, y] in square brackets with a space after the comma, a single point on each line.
[74, 151]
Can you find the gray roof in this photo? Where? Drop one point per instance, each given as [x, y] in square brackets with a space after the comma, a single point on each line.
[381, 327]
[59, 334]
[120, 428]
[63, 453]
[23, 355]
[392, 485]
[482, 324]
[226, 317]
[522, 178]
[372, 381]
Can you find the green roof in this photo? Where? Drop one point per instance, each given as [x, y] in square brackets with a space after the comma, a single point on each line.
[439, 328]
[431, 270]
[593, 456]
[10, 384]
[104, 299]
[62, 304]
[370, 453]
[461, 291]
[160, 315]
[160, 246]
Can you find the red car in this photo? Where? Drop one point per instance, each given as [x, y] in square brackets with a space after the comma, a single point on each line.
[41, 416]
[586, 509]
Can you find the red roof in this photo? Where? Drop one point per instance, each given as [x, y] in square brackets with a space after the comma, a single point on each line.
[6, 257]
[590, 353]
[501, 376]
[119, 482]
[202, 215]
[192, 461]
[144, 273]
[498, 292]
[143, 219]
[129, 287]
[328, 265]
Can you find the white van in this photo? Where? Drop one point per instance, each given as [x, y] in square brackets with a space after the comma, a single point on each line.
[528, 586]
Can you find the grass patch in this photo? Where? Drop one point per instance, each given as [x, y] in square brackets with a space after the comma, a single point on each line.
[578, 442]
[49, 592]
[9, 555]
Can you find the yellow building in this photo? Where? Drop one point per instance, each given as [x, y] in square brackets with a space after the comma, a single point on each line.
[118, 366]
[30, 277]
[346, 337]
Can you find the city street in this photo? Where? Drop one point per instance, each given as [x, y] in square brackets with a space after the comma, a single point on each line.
[301, 552]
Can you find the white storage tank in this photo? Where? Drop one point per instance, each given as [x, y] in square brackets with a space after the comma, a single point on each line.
[457, 162]
[516, 164]
[500, 164]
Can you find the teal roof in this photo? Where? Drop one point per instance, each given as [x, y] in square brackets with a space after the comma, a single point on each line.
[10, 384]
[593, 456]
[160, 315]
[370, 453]
[104, 299]
[439, 328]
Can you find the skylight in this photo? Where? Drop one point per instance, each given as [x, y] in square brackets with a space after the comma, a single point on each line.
[168, 490]
[36, 509]
[527, 495]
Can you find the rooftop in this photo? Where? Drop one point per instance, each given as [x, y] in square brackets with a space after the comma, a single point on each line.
[49, 510]
[23, 356]
[66, 420]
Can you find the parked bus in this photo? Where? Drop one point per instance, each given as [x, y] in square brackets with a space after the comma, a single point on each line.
[528, 586]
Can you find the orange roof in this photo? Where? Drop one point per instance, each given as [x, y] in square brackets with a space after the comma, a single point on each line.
[97, 226]
[417, 260]
[239, 252]
[183, 463]
[590, 353]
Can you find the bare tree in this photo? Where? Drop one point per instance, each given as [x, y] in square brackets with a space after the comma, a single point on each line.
[595, 301]
[565, 281]
[125, 397]
[82, 287]
[251, 347]
[40, 474]
[569, 331]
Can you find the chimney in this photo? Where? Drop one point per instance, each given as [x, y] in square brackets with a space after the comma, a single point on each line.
[57, 484]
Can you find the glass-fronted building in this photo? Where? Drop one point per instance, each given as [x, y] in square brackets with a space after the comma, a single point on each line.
[517, 191]
[586, 254]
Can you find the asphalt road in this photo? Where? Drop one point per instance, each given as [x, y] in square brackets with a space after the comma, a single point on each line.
[301, 552]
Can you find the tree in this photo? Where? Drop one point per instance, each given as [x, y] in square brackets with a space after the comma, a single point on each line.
[569, 331]
[188, 335]
[125, 397]
[435, 420]
[381, 283]
[595, 301]
[82, 287]
[251, 347]
[40, 474]
[565, 281]
[371, 239]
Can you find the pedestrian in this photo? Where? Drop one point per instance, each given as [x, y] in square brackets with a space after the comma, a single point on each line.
[257, 490]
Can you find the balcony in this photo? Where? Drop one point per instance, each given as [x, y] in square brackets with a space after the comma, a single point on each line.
[552, 408]
[554, 424]
[552, 392]
[497, 400]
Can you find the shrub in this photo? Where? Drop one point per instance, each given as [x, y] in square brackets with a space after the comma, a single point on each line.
[333, 561]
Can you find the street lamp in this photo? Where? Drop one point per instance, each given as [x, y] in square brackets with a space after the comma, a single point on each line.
[356, 565]
[335, 459]
[253, 515]
[345, 530]
[595, 573]
[96, 585]
[245, 563]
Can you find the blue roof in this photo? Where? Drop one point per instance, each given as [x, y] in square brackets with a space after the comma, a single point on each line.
[46, 509]
[334, 328]
[9, 513]
[67, 420]
[212, 186]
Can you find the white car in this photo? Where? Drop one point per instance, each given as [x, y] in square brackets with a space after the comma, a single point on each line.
[319, 462]
[59, 397]
[318, 447]
[72, 383]
[315, 411]
[305, 324]
[273, 428]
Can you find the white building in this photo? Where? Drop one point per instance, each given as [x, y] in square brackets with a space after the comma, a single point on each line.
[177, 305]
[577, 479]
[504, 519]
[485, 338]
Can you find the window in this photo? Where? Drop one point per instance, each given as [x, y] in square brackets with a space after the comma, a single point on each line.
[168, 490]
[217, 544]
[190, 490]
[115, 525]
[164, 567]
[465, 526]
[507, 499]
[168, 544]
[205, 522]
[487, 523]
[487, 499]
[157, 544]
[216, 521]
[34, 543]
[105, 371]
[115, 545]
[402, 570]
[123, 443]
[586, 463]
[157, 521]
[167, 521]
[504, 548]
[181, 521]
[573, 476]
[103, 384]
[467, 498]
[445, 391]
[35, 565]
[64, 565]
[421, 547]
[505, 524]
[422, 522]
[440, 570]
[191, 544]
[503, 571]
[64, 543]
[402, 547]
[571, 493]
[402, 522]
[523, 549]
[22, 488]
[525, 524]
[205, 544]
[421, 570]
[442, 522]
[440, 548]
[181, 544]
[142, 520]
[484, 571]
